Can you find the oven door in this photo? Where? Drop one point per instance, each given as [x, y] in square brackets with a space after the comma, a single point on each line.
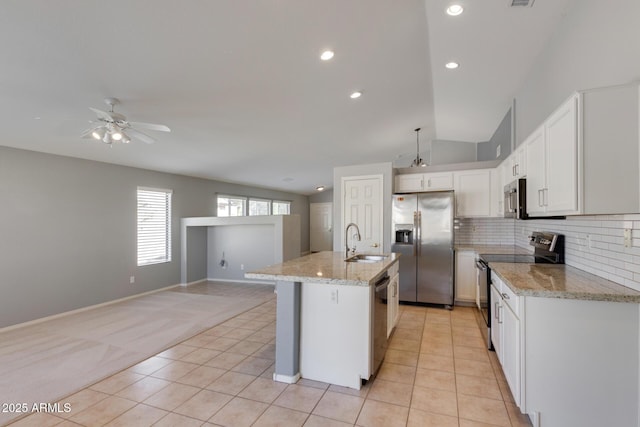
[483, 281]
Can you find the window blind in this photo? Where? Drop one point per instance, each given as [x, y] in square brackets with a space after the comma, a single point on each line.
[154, 226]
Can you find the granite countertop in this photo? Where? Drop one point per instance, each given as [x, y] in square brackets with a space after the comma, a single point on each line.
[325, 267]
[493, 249]
[561, 281]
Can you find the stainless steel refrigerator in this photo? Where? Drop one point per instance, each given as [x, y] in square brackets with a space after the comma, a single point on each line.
[422, 226]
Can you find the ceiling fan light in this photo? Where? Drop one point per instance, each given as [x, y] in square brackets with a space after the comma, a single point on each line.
[117, 136]
[107, 138]
[125, 138]
[98, 133]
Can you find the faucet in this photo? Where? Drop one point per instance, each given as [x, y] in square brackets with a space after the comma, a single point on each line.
[346, 238]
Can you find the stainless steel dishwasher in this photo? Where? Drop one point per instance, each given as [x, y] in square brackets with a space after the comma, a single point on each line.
[380, 322]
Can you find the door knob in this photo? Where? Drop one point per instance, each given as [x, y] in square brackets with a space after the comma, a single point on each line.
[375, 245]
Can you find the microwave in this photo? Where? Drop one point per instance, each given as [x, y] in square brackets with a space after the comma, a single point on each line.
[515, 201]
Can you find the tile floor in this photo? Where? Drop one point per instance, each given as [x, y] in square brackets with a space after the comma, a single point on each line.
[437, 372]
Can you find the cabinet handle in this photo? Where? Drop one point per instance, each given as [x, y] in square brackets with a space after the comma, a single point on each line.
[517, 169]
[505, 296]
[539, 198]
[429, 183]
[495, 310]
[422, 184]
[375, 245]
[513, 170]
[500, 317]
[545, 196]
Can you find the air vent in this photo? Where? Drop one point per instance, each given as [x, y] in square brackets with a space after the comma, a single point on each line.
[518, 3]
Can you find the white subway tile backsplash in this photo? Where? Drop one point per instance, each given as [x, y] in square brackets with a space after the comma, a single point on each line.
[605, 256]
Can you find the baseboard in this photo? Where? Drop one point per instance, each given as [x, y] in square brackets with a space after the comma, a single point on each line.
[286, 378]
[80, 310]
[195, 282]
[246, 282]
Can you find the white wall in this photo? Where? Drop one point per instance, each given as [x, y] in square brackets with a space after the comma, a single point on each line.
[596, 44]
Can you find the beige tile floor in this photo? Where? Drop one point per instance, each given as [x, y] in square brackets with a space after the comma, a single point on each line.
[437, 372]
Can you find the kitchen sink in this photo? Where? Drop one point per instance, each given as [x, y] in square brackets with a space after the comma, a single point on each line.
[366, 258]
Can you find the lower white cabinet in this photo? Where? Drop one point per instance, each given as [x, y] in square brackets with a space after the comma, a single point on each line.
[505, 333]
[465, 276]
[568, 362]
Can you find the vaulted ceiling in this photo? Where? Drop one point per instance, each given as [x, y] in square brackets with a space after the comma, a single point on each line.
[241, 85]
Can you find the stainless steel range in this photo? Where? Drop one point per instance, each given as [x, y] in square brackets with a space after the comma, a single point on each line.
[548, 249]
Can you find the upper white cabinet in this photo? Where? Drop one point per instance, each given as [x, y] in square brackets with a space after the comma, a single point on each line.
[515, 166]
[436, 181]
[473, 192]
[552, 163]
[611, 141]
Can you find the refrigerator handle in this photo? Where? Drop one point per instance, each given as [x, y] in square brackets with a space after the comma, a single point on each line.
[419, 242]
[416, 229]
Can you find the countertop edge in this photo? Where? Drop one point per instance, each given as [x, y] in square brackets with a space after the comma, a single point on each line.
[584, 296]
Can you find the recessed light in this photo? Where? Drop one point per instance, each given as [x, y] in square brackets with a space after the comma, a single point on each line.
[355, 95]
[326, 55]
[452, 65]
[320, 188]
[455, 10]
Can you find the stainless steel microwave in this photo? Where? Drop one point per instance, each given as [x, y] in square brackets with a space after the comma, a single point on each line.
[515, 199]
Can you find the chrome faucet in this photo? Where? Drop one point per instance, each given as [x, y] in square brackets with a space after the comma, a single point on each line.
[346, 238]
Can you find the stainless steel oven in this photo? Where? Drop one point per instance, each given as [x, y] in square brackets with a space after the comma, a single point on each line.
[515, 199]
[548, 248]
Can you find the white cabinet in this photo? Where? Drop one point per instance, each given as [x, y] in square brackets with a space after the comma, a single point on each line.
[552, 153]
[497, 193]
[436, 181]
[516, 165]
[505, 333]
[473, 193]
[465, 276]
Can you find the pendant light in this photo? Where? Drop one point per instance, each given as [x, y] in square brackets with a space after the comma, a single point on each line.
[418, 161]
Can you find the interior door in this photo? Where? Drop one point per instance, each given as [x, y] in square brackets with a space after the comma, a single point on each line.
[363, 206]
[321, 226]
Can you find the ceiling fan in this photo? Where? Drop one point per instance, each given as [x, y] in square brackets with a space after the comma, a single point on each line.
[114, 127]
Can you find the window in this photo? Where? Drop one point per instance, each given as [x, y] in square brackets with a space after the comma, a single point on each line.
[231, 205]
[154, 226]
[241, 206]
[259, 207]
[281, 208]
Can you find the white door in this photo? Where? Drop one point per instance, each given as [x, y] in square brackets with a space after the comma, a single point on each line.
[321, 226]
[363, 206]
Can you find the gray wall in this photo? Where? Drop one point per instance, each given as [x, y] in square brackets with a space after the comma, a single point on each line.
[325, 196]
[446, 152]
[595, 45]
[248, 246]
[501, 137]
[68, 230]
[384, 169]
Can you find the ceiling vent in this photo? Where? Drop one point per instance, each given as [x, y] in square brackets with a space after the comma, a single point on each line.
[517, 3]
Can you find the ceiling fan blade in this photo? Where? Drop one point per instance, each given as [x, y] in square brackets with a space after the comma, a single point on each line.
[141, 136]
[87, 133]
[102, 115]
[150, 126]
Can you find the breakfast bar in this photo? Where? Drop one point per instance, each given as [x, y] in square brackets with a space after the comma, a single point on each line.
[338, 288]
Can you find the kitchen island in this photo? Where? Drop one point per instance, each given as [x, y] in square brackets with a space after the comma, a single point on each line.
[324, 316]
[568, 343]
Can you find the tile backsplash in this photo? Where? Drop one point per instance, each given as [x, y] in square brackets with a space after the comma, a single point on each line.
[592, 243]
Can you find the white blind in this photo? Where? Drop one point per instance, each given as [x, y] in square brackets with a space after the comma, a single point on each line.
[154, 226]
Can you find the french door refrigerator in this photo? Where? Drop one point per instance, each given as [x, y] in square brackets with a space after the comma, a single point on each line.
[422, 226]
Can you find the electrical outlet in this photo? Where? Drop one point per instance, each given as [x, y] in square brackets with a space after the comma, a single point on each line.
[132, 279]
[241, 266]
[628, 242]
[589, 241]
[334, 296]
